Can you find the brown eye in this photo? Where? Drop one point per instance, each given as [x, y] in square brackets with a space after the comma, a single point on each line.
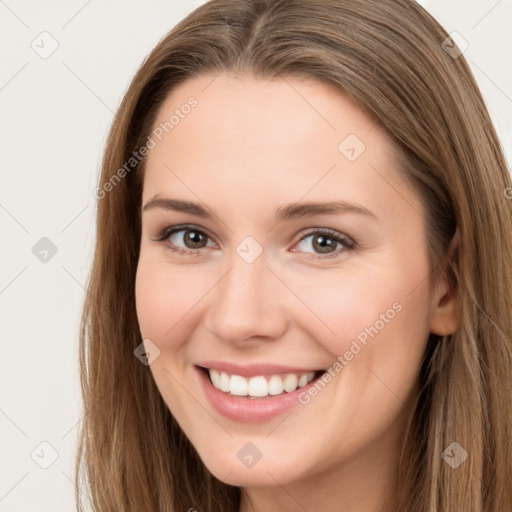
[183, 239]
[194, 239]
[325, 243]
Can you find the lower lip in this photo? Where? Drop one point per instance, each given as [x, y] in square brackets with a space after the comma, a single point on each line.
[250, 410]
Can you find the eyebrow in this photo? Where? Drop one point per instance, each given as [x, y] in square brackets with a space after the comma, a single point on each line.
[283, 213]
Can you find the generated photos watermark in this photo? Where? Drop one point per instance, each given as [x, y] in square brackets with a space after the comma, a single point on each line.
[356, 347]
[151, 142]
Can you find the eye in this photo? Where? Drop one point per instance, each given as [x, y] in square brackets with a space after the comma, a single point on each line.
[190, 240]
[325, 243]
[185, 239]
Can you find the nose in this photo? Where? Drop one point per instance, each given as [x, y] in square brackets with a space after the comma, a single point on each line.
[247, 304]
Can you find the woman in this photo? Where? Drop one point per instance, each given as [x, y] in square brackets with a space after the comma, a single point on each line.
[301, 290]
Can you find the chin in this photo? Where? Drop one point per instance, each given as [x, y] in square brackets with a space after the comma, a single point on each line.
[240, 471]
[248, 477]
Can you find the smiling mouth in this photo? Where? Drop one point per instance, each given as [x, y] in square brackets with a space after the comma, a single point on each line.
[259, 386]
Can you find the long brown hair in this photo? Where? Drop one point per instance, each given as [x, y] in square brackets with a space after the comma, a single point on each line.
[389, 57]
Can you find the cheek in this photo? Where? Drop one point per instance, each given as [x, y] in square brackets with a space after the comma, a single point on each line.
[380, 331]
[152, 300]
[165, 300]
[376, 317]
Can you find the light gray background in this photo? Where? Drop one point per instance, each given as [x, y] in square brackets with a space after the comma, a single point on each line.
[55, 114]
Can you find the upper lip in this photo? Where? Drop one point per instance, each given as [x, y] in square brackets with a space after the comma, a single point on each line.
[255, 369]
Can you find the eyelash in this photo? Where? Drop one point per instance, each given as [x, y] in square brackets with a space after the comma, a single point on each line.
[345, 241]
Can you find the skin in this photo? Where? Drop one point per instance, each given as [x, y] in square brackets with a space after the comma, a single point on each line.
[249, 147]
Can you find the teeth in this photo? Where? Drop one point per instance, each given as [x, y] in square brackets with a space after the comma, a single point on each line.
[224, 383]
[303, 380]
[290, 383]
[259, 386]
[275, 385]
[238, 385]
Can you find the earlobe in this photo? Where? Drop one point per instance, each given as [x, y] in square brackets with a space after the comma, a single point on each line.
[445, 309]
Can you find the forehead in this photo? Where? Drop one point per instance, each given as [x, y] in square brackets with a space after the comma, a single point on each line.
[275, 113]
[250, 138]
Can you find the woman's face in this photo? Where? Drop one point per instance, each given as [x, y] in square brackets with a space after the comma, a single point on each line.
[296, 249]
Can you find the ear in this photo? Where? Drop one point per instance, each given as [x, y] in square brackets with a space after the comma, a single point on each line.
[445, 317]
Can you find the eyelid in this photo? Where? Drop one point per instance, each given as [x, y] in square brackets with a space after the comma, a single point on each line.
[169, 230]
[330, 232]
